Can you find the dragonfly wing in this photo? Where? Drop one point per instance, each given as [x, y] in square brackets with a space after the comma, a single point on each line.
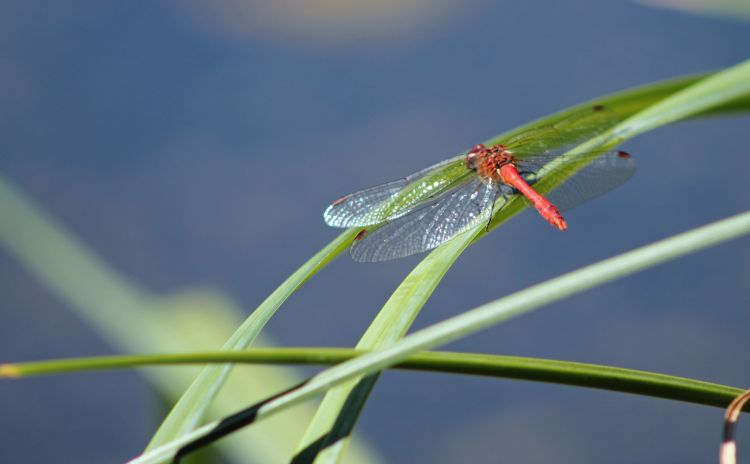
[362, 208]
[604, 172]
[369, 206]
[559, 137]
[430, 225]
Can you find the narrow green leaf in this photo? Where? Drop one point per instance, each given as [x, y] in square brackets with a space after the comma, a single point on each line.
[727, 89]
[486, 316]
[132, 319]
[391, 323]
[191, 407]
[512, 367]
[190, 410]
[708, 93]
[654, 106]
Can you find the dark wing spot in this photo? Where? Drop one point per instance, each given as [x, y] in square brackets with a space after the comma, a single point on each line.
[598, 107]
[339, 201]
[624, 155]
[361, 235]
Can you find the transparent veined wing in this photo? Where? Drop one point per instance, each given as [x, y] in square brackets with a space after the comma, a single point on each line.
[372, 205]
[362, 208]
[557, 138]
[430, 225]
[589, 176]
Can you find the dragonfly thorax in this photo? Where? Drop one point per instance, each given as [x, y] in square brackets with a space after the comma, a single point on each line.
[487, 161]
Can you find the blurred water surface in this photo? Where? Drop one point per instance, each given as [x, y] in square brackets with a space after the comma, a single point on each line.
[198, 143]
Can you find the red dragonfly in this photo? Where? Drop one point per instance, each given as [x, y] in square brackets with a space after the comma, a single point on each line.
[427, 208]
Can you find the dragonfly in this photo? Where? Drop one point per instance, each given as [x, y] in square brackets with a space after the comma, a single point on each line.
[429, 207]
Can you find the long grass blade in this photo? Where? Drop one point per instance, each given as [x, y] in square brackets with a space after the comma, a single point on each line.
[191, 407]
[509, 367]
[641, 109]
[132, 319]
[394, 319]
[469, 323]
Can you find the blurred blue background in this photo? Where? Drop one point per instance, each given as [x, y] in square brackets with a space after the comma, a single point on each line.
[199, 142]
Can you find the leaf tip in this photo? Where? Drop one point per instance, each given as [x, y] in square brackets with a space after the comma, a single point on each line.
[9, 371]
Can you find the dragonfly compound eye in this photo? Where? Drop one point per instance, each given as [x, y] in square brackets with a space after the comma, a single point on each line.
[471, 160]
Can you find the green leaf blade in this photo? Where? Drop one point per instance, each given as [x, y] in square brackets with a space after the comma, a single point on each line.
[582, 122]
[627, 104]
[191, 407]
[486, 316]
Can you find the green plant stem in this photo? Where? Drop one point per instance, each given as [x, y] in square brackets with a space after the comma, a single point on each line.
[639, 110]
[512, 367]
[191, 407]
[485, 316]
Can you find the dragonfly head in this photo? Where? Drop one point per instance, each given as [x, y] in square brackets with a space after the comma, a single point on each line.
[472, 155]
[486, 160]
